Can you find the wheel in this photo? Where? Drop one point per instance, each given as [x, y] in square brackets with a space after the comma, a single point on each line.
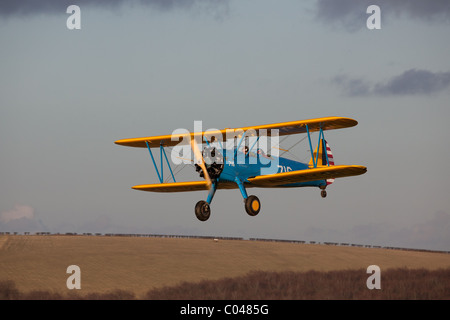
[323, 193]
[252, 205]
[202, 210]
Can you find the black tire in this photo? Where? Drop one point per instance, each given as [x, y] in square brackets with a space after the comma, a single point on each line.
[202, 210]
[252, 205]
[323, 193]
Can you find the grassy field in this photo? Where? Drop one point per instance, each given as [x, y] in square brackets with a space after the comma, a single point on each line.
[138, 264]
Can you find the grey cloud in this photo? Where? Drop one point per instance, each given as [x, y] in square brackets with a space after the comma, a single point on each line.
[414, 82]
[352, 86]
[352, 15]
[349, 14]
[410, 82]
[29, 7]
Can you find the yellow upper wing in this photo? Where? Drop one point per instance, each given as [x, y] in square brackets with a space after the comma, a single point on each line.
[285, 128]
[321, 173]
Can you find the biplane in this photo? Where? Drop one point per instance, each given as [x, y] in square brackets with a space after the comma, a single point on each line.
[236, 159]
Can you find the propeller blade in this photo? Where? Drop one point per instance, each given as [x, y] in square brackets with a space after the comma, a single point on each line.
[199, 157]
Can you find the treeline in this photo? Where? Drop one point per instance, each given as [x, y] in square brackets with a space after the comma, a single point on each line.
[396, 284]
[222, 238]
[348, 245]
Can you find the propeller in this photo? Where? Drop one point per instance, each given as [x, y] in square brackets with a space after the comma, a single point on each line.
[199, 157]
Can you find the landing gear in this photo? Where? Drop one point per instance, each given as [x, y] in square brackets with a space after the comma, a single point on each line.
[323, 193]
[202, 210]
[252, 205]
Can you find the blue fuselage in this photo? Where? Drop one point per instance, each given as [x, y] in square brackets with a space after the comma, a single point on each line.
[252, 165]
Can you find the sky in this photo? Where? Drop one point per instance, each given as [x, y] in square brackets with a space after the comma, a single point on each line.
[143, 68]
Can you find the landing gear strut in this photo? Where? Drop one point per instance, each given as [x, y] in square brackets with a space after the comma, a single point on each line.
[252, 203]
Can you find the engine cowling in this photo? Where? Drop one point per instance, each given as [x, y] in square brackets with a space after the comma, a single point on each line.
[213, 163]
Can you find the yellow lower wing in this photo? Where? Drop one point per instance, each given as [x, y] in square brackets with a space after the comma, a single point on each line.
[271, 180]
[321, 173]
[183, 186]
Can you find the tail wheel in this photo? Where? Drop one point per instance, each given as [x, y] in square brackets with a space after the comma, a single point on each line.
[323, 193]
[252, 205]
[202, 210]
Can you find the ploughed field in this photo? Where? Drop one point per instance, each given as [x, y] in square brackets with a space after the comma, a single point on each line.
[139, 264]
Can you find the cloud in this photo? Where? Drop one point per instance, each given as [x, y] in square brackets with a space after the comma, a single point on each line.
[31, 7]
[414, 82]
[18, 212]
[349, 14]
[410, 82]
[352, 86]
[21, 218]
[352, 16]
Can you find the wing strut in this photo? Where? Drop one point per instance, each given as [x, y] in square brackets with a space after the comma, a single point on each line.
[161, 153]
[315, 159]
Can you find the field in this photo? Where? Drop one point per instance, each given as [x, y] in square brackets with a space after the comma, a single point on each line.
[139, 264]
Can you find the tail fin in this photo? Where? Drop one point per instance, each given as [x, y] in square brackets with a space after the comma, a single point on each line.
[323, 158]
[330, 161]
